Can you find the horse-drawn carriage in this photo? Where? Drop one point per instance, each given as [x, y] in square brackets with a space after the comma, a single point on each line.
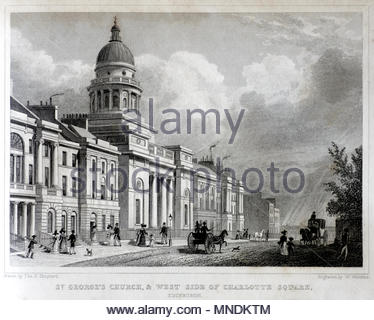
[312, 234]
[194, 239]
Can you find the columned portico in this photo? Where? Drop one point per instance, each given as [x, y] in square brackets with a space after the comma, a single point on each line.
[22, 220]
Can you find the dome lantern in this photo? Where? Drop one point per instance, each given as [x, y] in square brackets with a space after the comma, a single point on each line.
[115, 31]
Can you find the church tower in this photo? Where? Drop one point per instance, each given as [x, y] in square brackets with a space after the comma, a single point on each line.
[114, 89]
[115, 95]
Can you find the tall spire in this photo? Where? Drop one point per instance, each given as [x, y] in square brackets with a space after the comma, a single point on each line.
[115, 31]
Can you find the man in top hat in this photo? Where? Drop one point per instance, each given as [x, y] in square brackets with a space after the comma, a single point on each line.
[117, 238]
[164, 233]
[30, 247]
[204, 228]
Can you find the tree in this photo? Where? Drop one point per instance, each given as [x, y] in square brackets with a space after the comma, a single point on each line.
[347, 187]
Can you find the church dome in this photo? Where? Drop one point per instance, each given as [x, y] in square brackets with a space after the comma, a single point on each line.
[115, 50]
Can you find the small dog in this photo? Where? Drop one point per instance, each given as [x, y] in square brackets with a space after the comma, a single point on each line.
[88, 252]
[235, 249]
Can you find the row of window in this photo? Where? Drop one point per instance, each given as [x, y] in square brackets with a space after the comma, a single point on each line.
[102, 191]
[74, 159]
[103, 166]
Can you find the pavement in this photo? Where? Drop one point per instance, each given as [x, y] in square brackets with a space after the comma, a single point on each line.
[45, 259]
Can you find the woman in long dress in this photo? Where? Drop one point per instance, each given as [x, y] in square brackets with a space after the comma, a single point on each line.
[283, 243]
[110, 235]
[63, 248]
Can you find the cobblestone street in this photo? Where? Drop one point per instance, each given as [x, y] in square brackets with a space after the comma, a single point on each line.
[249, 254]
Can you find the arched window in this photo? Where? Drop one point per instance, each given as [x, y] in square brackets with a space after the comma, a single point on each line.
[106, 102]
[16, 158]
[99, 99]
[73, 222]
[139, 212]
[64, 220]
[51, 221]
[125, 100]
[115, 100]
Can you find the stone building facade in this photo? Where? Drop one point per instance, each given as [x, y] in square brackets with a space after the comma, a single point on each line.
[261, 214]
[106, 167]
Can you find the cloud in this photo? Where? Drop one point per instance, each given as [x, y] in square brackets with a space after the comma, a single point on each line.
[36, 75]
[275, 77]
[335, 75]
[184, 81]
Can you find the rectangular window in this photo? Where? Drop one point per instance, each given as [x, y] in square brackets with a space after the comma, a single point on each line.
[31, 174]
[74, 160]
[11, 168]
[30, 146]
[102, 191]
[18, 169]
[46, 176]
[112, 220]
[74, 186]
[46, 150]
[64, 156]
[93, 165]
[137, 208]
[103, 222]
[111, 192]
[93, 189]
[103, 167]
[64, 185]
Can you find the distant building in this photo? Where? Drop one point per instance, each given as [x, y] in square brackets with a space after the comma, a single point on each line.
[261, 214]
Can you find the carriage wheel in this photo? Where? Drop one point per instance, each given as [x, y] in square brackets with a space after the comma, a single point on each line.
[209, 245]
[190, 242]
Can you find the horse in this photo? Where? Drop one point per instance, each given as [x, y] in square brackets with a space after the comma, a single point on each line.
[307, 236]
[260, 235]
[220, 239]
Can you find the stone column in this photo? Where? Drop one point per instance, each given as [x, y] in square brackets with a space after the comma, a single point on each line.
[110, 99]
[96, 101]
[40, 162]
[163, 188]
[102, 99]
[15, 217]
[24, 219]
[32, 222]
[154, 222]
[55, 164]
[170, 198]
[191, 221]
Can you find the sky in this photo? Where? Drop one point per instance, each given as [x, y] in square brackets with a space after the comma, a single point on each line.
[297, 76]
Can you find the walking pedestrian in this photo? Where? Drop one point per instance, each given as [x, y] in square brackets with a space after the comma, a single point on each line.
[72, 238]
[140, 240]
[290, 246]
[117, 238]
[283, 243]
[62, 246]
[164, 234]
[30, 247]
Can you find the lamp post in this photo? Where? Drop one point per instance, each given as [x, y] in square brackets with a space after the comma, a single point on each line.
[170, 221]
